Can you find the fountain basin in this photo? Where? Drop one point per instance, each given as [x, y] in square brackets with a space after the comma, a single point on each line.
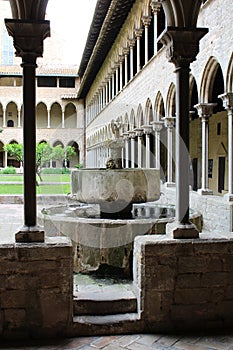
[99, 241]
[115, 190]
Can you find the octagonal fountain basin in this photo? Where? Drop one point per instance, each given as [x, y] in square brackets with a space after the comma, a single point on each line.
[97, 241]
[115, 190]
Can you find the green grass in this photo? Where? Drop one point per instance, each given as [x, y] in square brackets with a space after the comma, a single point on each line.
[43, 189]
[45, 178]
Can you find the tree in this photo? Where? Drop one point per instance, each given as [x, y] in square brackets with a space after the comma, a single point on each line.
[44, 153]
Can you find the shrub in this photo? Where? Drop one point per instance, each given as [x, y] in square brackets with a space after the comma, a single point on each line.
[55, 171]
[9, 170]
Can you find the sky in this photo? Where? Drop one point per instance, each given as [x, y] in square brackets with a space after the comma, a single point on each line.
[72, 20]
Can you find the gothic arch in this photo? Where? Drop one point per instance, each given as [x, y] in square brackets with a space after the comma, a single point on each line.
[132, 123]
[140, 119]
[229, 77]
[159, 111]
[148, 112]
[207, 80]
[171, 102]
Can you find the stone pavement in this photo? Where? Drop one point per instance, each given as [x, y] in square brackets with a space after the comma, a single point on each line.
[132, 342]
[11, 217]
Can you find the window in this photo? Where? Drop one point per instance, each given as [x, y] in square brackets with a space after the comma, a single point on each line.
[67, 82]
[10, 123]
[47, 82]
[218, 128]
[7, 49]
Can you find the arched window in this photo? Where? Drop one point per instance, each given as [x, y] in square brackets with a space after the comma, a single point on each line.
[10, 123]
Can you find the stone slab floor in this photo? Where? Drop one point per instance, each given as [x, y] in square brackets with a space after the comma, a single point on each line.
[132, 342]
[10, 220]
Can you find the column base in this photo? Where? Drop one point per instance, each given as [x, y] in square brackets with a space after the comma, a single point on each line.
[182, 231]
[204, 191]
[228, 197]
[170, 184]
[30, 234]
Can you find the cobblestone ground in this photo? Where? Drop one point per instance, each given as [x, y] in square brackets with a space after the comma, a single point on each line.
[133, 342]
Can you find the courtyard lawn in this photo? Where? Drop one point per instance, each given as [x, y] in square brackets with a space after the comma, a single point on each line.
[45, 178]
[43, 189]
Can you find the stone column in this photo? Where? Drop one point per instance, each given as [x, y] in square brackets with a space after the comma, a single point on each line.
[155, 5]
[132, 135]
[63, 118]
[169, 123]
[117, 78]
[228, 105]
[131, 46]
[205, 110]
[182, 48]
[126, 52]
[126, 141]
[146, 21]
[139, 134]
[121, 72]
[138, 34]
[113, 82]
[157, 127]
[28, 41]
[5, 159]
[19, 120]
[4, 118]
[147, 130]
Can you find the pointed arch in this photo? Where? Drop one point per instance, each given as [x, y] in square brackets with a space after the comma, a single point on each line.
[207, 80]
[132, 123]
[171, 101]
[229, 77]
[159, 110]
[140, 119]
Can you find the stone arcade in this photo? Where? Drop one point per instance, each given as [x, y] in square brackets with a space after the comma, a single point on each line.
[183, 280]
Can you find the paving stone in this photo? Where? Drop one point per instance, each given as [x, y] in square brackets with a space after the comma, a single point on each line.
[102, 342]
[126, 340]
[148, 339]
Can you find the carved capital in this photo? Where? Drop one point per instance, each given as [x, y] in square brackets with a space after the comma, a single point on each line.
[147, 129]
[205, 110]
[125, 136]
[146, 20]
[125, 51]
[28, 37]
[155, 5]
[182, 44]
[157, 125]
[227, 100]
[132, 134]
[139, 132]
[169, 122]
[138, 32]
[131, 42]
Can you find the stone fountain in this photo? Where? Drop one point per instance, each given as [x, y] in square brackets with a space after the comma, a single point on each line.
[100, 217]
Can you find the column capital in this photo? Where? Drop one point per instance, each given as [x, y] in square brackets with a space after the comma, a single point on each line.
[138, 32]
[155, 5]
[146, 20]
[28, 37]
[125, 51]
[125, 136]
[139, 132]
[157, 125]
[205, 110]
[147, 129]
[169, 122]
[227, 99]
[132, 134]
[182, 44]
[131, 42]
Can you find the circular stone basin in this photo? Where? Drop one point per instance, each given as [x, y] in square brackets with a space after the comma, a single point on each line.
[115, 190]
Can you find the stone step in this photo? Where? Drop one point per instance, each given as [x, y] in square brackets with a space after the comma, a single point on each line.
[104, 302]
[108, 324]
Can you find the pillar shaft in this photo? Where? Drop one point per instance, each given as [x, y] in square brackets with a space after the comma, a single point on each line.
[182, 48]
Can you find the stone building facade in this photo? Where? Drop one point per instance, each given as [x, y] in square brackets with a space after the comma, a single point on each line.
[134, 85]
[58, 115]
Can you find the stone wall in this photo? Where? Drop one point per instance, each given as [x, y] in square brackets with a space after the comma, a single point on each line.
[184, 284]
[36, 288]
[216, 211]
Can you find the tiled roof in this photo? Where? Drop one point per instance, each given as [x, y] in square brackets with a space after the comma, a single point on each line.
[59, 70]
[108, 19]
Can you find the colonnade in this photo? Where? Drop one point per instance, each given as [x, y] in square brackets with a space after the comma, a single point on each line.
[130, 61]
